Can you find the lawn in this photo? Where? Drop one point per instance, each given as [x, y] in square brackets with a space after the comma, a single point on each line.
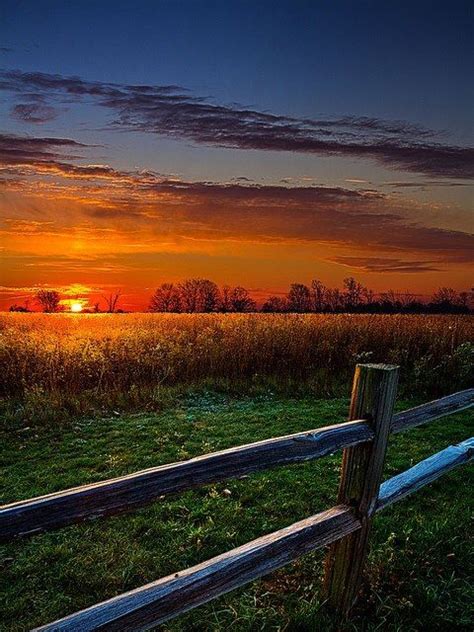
[421, 560]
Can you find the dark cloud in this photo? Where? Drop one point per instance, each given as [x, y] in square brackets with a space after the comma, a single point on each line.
[242, 179]
[159, 206]
[382, 264]
[34, 112]
[426, 183]
[171, 111]
[18, 150]
[329, 216]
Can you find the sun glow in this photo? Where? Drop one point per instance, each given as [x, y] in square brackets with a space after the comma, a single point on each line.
[76, 307]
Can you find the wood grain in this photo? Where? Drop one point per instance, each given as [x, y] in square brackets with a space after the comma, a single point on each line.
[161, 600]
[125, 493]
[373, 397]
[424, 473]
[155, 603]
[433, 410]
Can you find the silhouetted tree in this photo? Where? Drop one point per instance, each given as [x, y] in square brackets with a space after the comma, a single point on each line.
[406, 298]
[299, 298]
[389, 301]
[18, 308]
[111, 302]
[445, 297]
[199, 295]
[463, 300]
[334, 300]
[318, 292]
[353, 293]
[275, 304]
[167, 298]
[240, 300]
[225, 302]
[209, 296]
[368, 296]
[189, 292]
[49, 300]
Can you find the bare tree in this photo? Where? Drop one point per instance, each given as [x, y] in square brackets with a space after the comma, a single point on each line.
[318, 291]
[49, 300]
[209, 296]
[445, 297]
[299, 298]
[189, 291]
[225, 301]
[406, 298]
[111, 301]
[390, 300]
[368, 296]
[199, 295]
[464, 300]
[334, 300]
[240, 300]
[275, 304]
[353, 293]
[166, 298]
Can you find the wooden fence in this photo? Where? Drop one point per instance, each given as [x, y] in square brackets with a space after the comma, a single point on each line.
[345, 527]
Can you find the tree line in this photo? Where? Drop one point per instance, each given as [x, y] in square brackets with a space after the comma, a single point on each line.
[355, 297]
[204, 296]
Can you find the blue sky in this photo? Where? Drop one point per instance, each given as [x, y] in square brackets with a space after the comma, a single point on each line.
[408, 60]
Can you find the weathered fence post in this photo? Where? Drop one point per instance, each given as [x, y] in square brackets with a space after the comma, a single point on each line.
[373, 397]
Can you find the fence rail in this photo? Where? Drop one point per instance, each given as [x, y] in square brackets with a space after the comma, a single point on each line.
[346, 527]
[125, 493]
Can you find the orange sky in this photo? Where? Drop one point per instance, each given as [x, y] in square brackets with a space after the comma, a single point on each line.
[178, 186]
[96, 231]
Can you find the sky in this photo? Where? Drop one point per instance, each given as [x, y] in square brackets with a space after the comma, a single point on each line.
[252, 143]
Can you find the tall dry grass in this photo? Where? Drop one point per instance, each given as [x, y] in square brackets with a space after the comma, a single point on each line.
[70, 355]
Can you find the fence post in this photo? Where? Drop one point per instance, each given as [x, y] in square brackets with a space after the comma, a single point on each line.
[373, 396]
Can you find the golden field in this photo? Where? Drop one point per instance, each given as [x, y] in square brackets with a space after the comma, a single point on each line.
[106, 354]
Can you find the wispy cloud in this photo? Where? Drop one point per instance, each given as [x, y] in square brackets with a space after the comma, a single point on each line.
[425, 184]
[34, 112]
[384, 264]
[174, 112]
[18, 150]
[107, 206]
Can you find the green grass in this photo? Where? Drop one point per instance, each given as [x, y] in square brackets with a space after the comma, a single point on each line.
[421, 558]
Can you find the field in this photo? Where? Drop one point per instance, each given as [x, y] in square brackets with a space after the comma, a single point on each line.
[55, 366]
[91, 397]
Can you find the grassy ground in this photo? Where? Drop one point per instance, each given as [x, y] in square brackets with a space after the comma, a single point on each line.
[421, 558]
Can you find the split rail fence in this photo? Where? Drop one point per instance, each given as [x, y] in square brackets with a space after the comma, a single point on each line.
[345, 527]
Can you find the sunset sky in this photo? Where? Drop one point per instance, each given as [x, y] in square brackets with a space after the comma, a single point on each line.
[253, 143]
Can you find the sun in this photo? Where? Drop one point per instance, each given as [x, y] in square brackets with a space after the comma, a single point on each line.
[76, 307]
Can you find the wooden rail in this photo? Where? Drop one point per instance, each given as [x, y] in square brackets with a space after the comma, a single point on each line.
[433, 410]
[175, 594]
[122, 494]
[346, 527]
[425, 472]
[159, 601]
[125, 493]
